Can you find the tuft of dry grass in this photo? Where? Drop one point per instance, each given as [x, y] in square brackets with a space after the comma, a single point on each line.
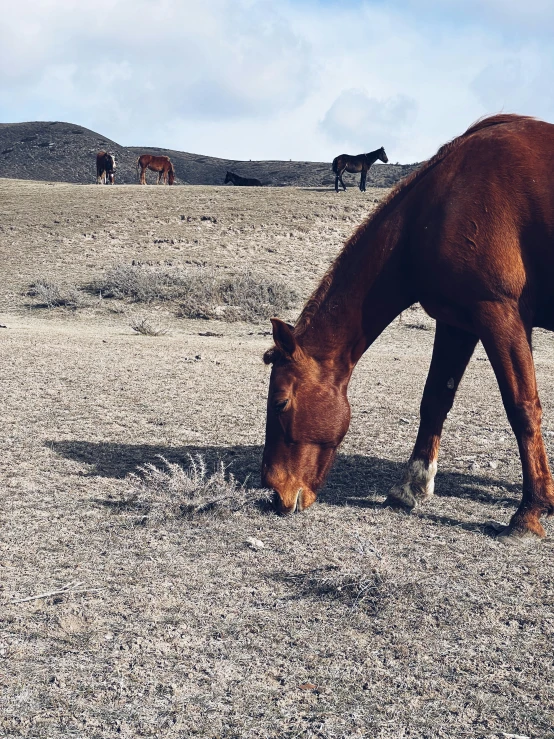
[52, 295]
[243, 297]
[176, 491]
[146, 328]
[139, 283]
[200, 292]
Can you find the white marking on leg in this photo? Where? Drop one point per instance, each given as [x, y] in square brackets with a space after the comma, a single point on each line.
[418, 483]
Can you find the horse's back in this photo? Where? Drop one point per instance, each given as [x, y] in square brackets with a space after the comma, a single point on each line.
[482, 220]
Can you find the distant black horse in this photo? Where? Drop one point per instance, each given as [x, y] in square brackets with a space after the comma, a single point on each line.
[241, 181]
[360, 163]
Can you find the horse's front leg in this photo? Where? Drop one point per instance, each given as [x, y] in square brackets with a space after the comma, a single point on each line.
[507, 341]
[362, 180]
[452, 351]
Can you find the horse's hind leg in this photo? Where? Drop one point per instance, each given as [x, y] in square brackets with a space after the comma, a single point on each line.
[143, 176]
[452, 351]
[340, 174]
[362, 180]
[507, 341]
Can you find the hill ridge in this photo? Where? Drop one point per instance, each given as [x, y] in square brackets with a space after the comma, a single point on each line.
[66, 152]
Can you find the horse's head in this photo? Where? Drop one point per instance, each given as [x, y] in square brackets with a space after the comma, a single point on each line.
[112, 157]
[383, 155]
[171, 176]
[227, 178]
[308, 415]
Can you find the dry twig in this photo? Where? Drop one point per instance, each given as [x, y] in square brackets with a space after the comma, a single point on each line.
[69, 588]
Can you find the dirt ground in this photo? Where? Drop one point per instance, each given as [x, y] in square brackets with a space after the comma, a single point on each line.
[352, 620]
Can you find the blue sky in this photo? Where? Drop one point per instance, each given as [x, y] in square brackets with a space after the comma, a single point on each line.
[260, 79]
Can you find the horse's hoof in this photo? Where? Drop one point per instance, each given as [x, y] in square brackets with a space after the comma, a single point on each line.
[511, 536]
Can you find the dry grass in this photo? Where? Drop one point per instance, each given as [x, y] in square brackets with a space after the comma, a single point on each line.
[352, 620]
[200, 292]
[172, 490]
[49, 294]
[243, 297]
[145, 327]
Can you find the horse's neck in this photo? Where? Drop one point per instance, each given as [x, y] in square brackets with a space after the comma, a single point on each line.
[367, 291]
[372, 157]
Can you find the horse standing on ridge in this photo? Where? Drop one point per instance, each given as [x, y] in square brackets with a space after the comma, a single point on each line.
[241, 181]
[160, 164]
[105, 168]
[360, 163]
[470, 236]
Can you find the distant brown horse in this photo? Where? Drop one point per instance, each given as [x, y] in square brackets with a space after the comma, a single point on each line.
[470, 235]
[359, 163]
[160, 164]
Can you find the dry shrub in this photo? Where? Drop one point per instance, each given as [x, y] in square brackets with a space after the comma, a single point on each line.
[144, 327]
[173, 491]
[364, 590]
[51, 295]
[242, 297]
[140, 283]
[200, 292]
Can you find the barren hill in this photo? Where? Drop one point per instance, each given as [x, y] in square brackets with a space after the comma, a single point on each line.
[63, 152]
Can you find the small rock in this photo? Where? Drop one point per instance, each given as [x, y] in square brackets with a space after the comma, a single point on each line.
[474, 466]
[404, 420]
[255, 543]
[493, 465]
[307, 686]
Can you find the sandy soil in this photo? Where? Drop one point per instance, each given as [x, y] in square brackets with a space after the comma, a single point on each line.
[353, 620]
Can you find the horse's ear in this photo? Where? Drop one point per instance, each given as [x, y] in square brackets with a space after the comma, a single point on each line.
[283, 337]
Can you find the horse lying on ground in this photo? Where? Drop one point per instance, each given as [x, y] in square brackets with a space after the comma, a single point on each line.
[105, 168]
[160, 164]
[360, 163]
[470, 235]
[241, 181]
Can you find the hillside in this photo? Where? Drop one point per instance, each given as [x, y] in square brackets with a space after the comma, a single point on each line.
[64, 152]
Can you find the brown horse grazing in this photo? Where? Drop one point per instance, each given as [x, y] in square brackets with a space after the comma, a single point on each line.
[470, 235]
[360, 163]
[160, 164]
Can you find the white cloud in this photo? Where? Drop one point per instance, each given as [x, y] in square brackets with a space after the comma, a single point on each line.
[361, 121]
[267, 79]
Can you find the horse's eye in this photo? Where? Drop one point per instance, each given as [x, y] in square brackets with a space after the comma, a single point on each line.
[280, 405]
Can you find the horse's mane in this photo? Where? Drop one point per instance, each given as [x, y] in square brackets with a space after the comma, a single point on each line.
[383, 209]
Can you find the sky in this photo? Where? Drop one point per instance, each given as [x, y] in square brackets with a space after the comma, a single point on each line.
[286, 79]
